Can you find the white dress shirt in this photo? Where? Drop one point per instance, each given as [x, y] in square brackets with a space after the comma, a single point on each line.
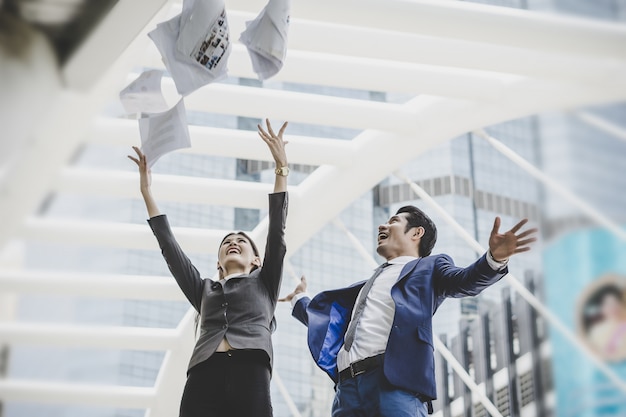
[372, 331]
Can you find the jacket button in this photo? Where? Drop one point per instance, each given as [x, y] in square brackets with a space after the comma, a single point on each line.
[224, 304]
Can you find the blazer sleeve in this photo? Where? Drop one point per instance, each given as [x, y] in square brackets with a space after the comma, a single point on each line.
[299, 310]
[272, 271]
[186, 275]
[456, 282]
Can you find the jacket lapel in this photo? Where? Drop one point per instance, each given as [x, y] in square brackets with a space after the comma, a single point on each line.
[408, 269]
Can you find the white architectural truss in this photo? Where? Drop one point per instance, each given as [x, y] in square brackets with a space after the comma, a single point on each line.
[466, 65]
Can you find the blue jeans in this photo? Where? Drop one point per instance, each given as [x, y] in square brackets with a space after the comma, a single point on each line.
[371, 395]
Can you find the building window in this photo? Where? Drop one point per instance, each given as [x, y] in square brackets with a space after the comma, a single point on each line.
[502, 401]
[527, 388]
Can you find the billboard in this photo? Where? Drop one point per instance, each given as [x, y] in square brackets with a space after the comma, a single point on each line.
[585, 286]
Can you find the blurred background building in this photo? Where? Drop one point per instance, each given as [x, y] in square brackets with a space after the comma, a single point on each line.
[522, 365]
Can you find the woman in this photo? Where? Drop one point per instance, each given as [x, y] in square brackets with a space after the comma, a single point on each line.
[229, 371]
[608, 335]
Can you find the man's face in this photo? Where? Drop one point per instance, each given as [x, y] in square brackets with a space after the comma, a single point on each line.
[394, 240]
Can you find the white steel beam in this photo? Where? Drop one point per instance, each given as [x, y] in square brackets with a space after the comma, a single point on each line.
[294, 106]
[602, 124]
[172, 375]
[179, 188]
[468, 21]
[370, 74]
[53, 143]
[76, 394]
[136, 287]
[380, 153]
[88, 336]
[391, 46]
[434, 59]
[117, 235]
[231, 143]
[111, 37]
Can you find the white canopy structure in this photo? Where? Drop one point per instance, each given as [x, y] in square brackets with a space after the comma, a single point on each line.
[466, 65]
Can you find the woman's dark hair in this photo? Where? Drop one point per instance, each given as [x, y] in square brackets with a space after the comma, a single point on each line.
[591, 313]
[417, 218]
[254, 248]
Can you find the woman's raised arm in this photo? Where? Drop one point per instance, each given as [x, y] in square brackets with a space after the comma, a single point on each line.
[145, 181]
[277, 148]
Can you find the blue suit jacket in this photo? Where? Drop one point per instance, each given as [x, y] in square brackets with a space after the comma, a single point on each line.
[421, 288]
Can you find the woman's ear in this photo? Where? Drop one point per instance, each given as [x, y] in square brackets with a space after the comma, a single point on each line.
[256, 262]
[220, 270]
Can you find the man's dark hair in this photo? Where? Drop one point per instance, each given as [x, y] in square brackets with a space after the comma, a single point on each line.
[416, 218]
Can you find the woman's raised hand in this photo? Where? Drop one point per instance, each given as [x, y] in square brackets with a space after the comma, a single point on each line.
[275, 142]
[145, 180]
[145, 177]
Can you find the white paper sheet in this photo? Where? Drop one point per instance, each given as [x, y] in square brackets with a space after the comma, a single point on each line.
[144, 94]
[266, 38]
[165, 132]
[195, 44]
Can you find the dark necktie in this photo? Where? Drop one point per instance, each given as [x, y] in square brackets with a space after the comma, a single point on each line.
[359, 307]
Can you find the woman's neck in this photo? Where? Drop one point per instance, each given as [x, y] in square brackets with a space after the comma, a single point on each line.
[235, 271]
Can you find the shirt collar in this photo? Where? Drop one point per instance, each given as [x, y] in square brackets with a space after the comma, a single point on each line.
[401, 260]
[226, 278]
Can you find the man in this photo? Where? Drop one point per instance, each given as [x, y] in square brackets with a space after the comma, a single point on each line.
[374, 338]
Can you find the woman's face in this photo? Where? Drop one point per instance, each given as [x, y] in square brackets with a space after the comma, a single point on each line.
[236, 253]
[611, 306]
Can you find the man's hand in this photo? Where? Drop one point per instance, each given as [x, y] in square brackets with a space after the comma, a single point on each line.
[275, 142]
[145, 177]
[301, 287]
[502, 246]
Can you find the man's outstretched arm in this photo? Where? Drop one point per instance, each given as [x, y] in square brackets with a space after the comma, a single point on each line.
[452, 281]
[299, 301]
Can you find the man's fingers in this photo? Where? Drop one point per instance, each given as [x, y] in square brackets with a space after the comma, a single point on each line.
[496, 226]
[519, 225]
[520, 250]
[526, 242]
[527, 233]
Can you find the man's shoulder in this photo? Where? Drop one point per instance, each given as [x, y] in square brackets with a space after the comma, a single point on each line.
[438, 257]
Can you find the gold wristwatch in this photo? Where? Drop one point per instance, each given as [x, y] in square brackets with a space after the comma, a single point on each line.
[284, 171]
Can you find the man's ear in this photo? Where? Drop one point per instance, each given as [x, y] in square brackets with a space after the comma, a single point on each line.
[418, 232]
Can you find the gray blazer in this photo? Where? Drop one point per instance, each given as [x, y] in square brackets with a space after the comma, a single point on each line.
[243, 309]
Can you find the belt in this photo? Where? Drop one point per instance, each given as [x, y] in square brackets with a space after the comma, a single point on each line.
[373, 362]
[361, 367]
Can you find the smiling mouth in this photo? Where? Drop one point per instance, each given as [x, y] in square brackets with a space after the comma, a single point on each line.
[382, 236]
[233, 250]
